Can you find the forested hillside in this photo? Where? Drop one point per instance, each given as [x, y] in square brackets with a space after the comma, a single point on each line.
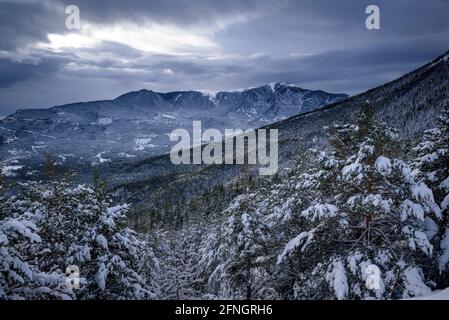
[310, 234]
[410, 103]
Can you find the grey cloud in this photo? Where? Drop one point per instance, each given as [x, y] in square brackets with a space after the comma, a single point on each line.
[15, 72]
[24, 22]
[316, 44]
[180, 12]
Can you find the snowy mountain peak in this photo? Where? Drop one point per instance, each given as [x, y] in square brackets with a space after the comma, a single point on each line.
[138, 123]
[275, 85]
[272, 86]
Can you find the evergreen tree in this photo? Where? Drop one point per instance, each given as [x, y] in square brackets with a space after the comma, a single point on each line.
[368, 211]
[243, 271]
[3, 188]
[20, 278]
[68, 226]
[83, 230]
[179, 279]
[433, 169]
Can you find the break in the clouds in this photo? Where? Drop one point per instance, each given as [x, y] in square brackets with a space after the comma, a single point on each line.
[216, 45]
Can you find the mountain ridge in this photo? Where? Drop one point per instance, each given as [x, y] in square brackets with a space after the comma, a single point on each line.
[442, 58]
[137, 124]
[410, 103]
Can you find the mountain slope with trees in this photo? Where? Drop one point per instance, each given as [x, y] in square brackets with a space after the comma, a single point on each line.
[361, 213]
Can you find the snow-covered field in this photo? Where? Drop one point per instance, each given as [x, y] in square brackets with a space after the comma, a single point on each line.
[436, 295]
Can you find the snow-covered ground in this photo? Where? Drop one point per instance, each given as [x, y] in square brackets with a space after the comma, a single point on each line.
[9, 170]
[105, 121]
[143, 143]
[100, 158]
[436, 295]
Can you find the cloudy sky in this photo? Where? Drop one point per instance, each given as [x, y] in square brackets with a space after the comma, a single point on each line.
[168, 45]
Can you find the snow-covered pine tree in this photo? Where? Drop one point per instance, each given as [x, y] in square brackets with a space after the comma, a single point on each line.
[179, 277]
[312, 181]
[3, 210]
[433, 169]
[20, 278]
[244, 269]
[2, 182]
[281, 204]
[149, 264]
[209, 259]
[368, 211]
[78, 226]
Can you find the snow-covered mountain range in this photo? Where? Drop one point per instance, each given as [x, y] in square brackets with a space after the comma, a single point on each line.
[410, 103]
[137, 124]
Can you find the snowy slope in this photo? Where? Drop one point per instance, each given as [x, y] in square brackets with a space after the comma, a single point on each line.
[410, 103]
[436, 295]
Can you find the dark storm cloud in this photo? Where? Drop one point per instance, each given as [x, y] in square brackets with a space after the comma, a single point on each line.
[316, 44]
[24, 22]
[181, 12]
[13, 72]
